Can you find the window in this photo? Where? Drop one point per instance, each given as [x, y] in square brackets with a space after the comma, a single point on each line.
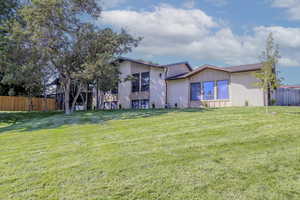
[140, 104]
[145, 81]
[223, 89]
[135, 104]
[195, 91]
[136, 83]
[208, 90]
[144, 104]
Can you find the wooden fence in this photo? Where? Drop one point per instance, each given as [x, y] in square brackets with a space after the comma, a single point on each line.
[8, 103]
[287, 97]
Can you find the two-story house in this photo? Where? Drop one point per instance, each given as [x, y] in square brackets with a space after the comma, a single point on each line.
[178, 85]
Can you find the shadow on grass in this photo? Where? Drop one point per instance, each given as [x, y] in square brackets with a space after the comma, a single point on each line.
[30, 121]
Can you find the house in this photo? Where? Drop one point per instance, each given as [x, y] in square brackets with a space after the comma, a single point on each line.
[179, 85]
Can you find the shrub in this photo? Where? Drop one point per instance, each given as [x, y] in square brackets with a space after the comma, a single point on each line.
[273, 102]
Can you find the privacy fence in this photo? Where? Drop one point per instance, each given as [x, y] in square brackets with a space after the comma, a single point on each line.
[287, 97]
[24, 104]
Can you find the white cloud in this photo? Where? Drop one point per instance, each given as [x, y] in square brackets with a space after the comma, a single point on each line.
[292, 6]
[170, 31]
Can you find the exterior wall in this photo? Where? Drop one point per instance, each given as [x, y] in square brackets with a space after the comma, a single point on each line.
[139, 95]
[157, 92]
[157, 87]
[178, 93]
[177, 69]
[211, 103]
[124, 88]
[139, 68]
[210, 75]
[243, 89]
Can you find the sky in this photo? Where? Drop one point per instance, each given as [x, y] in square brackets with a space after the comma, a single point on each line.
[217, 32]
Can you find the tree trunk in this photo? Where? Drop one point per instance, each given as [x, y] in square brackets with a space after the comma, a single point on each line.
[86, 97]
[76, 97]
[45, 98]
[101, 105]
[268, 99]
[30, 105]
[97, 95]
[67, 85]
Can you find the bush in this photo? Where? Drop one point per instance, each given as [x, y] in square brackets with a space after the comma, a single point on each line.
[273, 102]
[153, 105]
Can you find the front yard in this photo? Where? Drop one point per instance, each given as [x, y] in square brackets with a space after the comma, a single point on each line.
[229, 153]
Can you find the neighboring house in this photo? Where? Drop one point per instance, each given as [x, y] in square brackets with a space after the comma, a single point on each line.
[178, 85]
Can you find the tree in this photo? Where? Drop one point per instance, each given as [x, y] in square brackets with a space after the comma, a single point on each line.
[74, 47]
[267, 76]
[25, 64]
[8, 12]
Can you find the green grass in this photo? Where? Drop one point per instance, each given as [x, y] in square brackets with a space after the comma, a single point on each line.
[229, 153]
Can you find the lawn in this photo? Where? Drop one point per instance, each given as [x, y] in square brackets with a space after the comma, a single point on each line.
[228, 153]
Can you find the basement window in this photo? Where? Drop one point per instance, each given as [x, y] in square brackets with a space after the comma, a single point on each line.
[135, 104]
[140, 104]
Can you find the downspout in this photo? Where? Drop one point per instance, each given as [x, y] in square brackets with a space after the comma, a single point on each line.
[166, 83]
[189, 91]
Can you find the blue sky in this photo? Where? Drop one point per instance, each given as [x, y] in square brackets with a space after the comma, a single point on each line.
[217, 32]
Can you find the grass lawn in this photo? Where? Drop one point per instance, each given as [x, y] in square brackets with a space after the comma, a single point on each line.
[228, 153]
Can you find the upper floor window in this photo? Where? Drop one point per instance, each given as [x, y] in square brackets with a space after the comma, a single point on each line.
[223, 89]
[195, 91]
[136, 83]
[145, 81]
[208, 90]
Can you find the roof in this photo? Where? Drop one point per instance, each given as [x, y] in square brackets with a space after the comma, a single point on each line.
[290, 86]
[244, 68]
[199, 69]
[180, 63]
[121, 59]
[232, 69]
[178, 76]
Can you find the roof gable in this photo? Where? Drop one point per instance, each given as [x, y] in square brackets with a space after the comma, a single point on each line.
[122, 59]
[180, 63]
[232, 69]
